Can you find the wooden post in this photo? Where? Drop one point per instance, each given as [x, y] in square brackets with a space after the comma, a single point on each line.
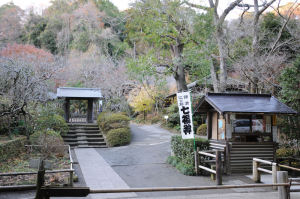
[197, 161]
[274, 175]
[227, 160]
[40, 180]
[67, 109]
[219, 171]
[71, 178]
[212, 175]
[89, 116]
[283, 191]
[256, 174]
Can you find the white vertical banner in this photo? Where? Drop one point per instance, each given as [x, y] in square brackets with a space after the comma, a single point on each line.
[185, 112]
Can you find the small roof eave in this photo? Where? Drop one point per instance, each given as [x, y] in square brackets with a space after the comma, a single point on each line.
[246, 103]
[71, 92]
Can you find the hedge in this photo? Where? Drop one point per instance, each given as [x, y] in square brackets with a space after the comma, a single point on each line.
[118, 137]
[109, 121]
[184, 153]
[115, 127]
[12, 148]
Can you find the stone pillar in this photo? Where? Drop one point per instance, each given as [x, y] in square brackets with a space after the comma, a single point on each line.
[67, 109]
[90, 118]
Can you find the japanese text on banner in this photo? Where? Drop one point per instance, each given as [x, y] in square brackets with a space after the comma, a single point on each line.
[185, 113]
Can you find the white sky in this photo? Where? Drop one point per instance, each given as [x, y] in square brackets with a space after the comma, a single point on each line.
[39, 5]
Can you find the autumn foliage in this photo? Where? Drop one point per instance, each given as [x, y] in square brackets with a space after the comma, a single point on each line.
[27, 52]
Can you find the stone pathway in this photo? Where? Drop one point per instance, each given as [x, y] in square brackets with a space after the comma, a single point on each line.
[99, 175]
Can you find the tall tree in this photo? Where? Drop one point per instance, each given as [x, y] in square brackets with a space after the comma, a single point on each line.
[159, 32]
[220, 37]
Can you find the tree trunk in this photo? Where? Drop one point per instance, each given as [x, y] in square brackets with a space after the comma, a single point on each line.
[222, 55]
[213, 76]
[255, 50]
[179, 73]
[180, 79]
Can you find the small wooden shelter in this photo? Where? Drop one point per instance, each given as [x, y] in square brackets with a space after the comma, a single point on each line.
[243, 125]
[70, 93]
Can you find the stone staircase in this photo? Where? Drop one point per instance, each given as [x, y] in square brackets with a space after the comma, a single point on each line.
[84, 135]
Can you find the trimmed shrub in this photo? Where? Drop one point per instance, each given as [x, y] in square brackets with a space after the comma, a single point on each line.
[118, 137]
[102, 118]
[12, 148]
[202, 129]
[184, 149]
[54, 122]
[114, 121]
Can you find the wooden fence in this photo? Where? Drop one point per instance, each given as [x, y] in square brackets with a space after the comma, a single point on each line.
[216, 170]
[27, 187]
[257, 170]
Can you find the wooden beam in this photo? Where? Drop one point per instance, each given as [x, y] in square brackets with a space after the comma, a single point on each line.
[65, 192]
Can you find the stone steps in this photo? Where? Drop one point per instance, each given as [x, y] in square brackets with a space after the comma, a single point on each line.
[84, 136]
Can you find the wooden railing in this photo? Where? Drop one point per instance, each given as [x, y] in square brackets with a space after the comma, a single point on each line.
[216, 170]
[257, 170]
[26, 187]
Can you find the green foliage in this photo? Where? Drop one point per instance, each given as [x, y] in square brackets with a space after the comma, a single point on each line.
[81, 41]
[48, 40]
[155, 28]
[101, 120]
[33, 29]
[202, 129]
[184, 149]
[115, 127]
[172, 160]
[108, 121]
[186, 169]
[290, 95]
[12, 148]
[52, 121]
[118, 137]
[173, 113]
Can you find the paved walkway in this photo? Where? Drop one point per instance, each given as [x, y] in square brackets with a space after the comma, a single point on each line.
[99, 175]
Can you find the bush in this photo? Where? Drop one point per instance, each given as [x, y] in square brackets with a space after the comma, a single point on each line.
[102, 119]
[173, 114]
[284, 152]
[118, 137]
[184, 149]
[12, 148]
[52, 121]
[186, 169]
[114, 121]
[172, 160]
[50, 141]
[202, 129]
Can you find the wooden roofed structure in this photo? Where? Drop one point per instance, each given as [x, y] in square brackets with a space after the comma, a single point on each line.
[71, 93]
[244, 124]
